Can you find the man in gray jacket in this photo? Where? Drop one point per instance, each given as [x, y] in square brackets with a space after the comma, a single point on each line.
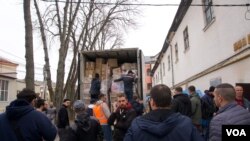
[229, 112]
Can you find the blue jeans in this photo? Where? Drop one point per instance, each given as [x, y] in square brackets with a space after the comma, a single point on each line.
[129, 94]
[205, 128]
[107, 132]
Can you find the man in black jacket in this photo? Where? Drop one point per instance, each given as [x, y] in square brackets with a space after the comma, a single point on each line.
[95, 88]
[181, 102]
[85, 127]
[63, 119]
[123, 116]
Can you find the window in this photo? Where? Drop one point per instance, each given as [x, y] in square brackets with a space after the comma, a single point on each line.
[186, 39]
[176, 53]
[168, 62]
[208, 11]
[148, 72]
[4, 90]
[149, 86]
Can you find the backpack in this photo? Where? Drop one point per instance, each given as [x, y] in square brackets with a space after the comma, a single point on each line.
[207, 109]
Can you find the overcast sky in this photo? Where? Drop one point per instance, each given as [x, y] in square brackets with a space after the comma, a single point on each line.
[149, 36]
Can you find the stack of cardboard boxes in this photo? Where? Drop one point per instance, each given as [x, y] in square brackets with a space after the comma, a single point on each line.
[109, 70]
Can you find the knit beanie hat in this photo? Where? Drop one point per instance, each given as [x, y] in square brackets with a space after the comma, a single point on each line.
[79, 106]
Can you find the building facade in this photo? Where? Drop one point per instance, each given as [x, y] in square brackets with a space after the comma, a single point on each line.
[207, 44]
[8, 77]
[9, 84]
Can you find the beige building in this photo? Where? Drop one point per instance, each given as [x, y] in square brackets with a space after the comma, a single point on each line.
[9, 84]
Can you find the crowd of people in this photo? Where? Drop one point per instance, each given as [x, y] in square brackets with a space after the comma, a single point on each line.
[173, 116]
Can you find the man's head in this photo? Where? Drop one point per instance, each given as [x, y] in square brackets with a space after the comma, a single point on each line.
[79, 106]
[224, 94]
[130, 72]
[160, 97]
[191, 89]
[178, 90]
[102, 97]
[41, 104]
[239, 92]
[28, 95]
[97, 75]
[122, 101]
[66, 102]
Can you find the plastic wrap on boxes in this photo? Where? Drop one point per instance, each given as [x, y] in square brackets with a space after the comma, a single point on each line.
[86, 88]
[104, 86]
[117, 87]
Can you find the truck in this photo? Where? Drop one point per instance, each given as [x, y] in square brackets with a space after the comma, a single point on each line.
[111, 64]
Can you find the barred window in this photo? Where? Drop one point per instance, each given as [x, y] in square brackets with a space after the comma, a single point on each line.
[4, 90]
[208, 11]
[186, 39]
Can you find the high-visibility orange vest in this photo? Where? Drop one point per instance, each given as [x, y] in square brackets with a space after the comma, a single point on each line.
[99, 114]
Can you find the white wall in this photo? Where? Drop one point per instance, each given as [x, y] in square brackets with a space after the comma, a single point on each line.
[211, 46]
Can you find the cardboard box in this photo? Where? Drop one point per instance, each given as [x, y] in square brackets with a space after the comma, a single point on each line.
[112, 62]
[117, 71]
[90, 65]
[89, 73]
[99, 62]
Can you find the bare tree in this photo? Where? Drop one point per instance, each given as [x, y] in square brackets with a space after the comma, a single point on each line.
[81, 25]
[45, 48]
[29, 78]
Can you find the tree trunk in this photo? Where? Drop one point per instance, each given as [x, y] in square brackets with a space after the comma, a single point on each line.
[29, 78]
[46, 56]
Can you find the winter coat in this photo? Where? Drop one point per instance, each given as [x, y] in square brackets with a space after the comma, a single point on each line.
[230, 114]
[182, 104]
[246, 104]
[196, 109]
[138, 107]
[123, 118]
[95, 87]
[32, 125]
[128, 81]
[85, 128]
[63, 118]
[162, 125]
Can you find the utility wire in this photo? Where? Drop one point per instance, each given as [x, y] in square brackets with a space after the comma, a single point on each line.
[154, 5]
[22, 59]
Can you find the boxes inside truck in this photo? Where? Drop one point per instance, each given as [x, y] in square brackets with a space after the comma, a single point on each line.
[109, 65]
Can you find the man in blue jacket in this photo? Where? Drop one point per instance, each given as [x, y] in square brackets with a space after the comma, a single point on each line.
[128, 81]
[162, 124]
[21, 122]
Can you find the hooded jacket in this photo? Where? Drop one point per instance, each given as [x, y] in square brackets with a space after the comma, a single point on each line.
[162, 125]
[85, 128]
[33, 125]
[182, 104]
